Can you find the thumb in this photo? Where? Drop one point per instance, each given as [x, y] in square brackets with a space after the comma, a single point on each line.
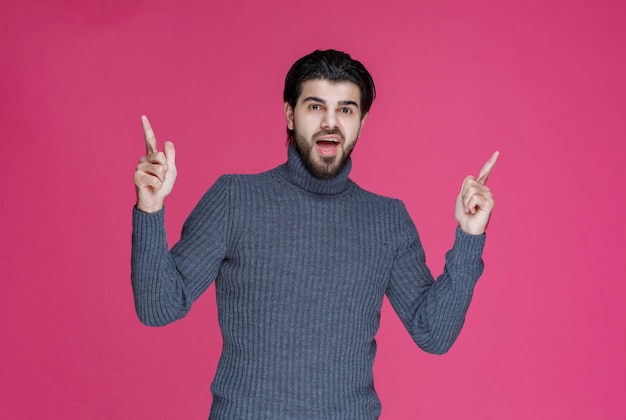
[170, 153]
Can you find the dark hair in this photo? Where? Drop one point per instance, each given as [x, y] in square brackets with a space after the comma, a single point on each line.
[331, 65]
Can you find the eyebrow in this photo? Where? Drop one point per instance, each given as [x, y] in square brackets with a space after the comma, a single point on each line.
[323, 101]
[349, 103]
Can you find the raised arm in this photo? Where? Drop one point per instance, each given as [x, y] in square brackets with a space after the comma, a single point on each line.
[167, 282]
[434, 311]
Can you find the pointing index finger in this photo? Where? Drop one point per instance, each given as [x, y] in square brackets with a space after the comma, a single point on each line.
[151, 144]
[484, 172]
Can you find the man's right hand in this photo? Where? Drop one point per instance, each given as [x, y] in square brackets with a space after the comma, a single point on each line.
[156, 172]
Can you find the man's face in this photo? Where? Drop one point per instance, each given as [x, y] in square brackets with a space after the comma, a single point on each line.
[327, 122]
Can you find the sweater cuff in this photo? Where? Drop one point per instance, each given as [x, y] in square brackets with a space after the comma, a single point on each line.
[148, 228]
[467, 251]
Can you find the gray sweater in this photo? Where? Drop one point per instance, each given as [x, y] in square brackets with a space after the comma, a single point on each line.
[301, 266]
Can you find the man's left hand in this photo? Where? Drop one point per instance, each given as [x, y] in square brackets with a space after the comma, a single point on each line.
[475, 201]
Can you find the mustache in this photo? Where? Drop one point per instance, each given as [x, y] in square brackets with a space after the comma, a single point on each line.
[328, 132]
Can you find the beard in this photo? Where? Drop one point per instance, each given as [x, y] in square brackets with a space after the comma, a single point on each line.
[329, 166]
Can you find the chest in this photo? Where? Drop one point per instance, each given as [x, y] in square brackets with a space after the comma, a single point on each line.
[316, 247]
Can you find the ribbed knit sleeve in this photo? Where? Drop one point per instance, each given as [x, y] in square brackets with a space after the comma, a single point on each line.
[434, 311]
[166, 283]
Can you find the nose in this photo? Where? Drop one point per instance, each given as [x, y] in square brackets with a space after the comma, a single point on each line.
[329, 121]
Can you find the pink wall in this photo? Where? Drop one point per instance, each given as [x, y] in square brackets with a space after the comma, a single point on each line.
[543, 82]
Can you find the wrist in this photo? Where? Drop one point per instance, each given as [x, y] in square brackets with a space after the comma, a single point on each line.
[149, 208]
[472, 231]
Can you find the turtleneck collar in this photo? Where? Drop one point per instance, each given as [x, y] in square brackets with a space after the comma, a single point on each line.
[296, 173]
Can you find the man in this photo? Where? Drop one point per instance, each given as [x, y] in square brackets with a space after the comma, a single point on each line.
[302, 258]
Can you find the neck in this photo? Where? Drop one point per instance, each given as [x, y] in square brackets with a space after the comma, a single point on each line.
[295, 171]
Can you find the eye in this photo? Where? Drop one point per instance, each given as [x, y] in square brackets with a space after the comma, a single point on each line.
[314, 107]
[346, 110]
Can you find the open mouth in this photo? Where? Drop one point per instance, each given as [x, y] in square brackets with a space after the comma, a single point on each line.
[327, 147]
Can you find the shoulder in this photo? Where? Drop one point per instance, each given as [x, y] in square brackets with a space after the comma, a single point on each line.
[387, 210]
[389, 215]
[237, 187]
[249, 182]
[380, 201]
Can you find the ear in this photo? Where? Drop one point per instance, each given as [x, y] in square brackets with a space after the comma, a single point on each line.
[289, 116]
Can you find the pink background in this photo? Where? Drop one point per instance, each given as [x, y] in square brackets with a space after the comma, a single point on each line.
[543, 82]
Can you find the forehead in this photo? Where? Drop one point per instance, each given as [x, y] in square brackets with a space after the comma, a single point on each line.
[330, 92]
